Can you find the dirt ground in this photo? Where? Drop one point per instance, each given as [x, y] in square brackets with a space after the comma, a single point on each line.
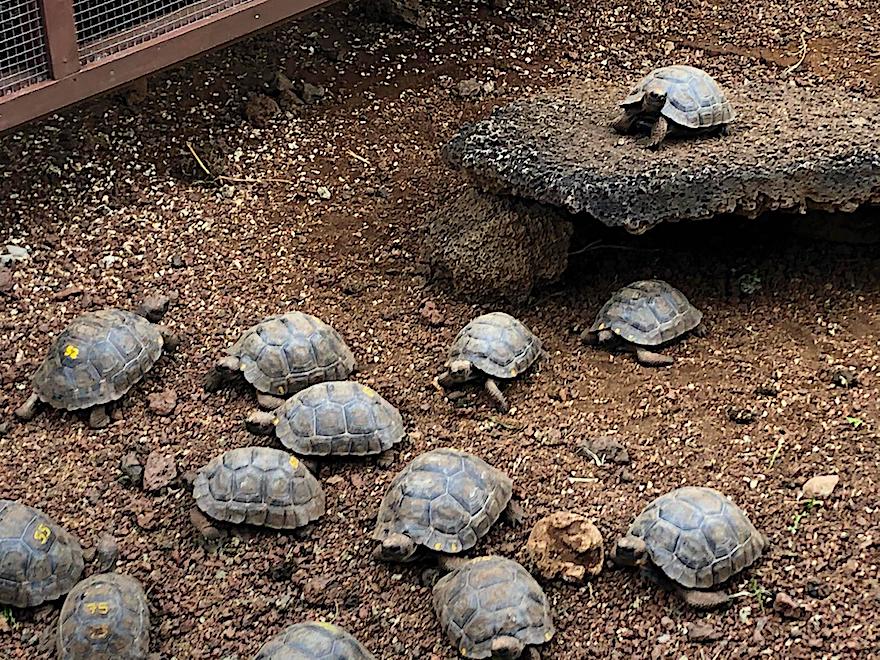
[321, 212]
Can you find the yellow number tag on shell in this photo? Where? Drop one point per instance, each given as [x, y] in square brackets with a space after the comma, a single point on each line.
[42, 534]
[101, 608]
[327, 626]
[370, 392]
[99, 632]
[294, 462]
[71, 351]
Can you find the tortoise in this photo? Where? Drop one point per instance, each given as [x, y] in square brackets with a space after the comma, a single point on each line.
[259, 486]
[492, 607]
[282, 355]
[675, 100]
[313, 640]
[493, 346]
[96, 360]
[338, 418]
[39, 559]
[645, 313]
[697, 538]
[444, 500]
[105, 617]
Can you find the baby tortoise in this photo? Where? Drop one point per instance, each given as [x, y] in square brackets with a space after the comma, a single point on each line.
[313, 640]
[492, 607]
[339, 418]
[494, 346]
[259, 486]
[645, 313]
[39, 560]
[283, 354]
[105, 617]
[97, 359]
[697, 538]
[675, 100]
[444, 500]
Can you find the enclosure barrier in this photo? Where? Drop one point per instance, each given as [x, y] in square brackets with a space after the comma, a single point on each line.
[56, 52]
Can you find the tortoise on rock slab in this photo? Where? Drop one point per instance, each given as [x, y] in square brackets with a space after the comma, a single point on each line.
[338, 418]
[444, 500]
[675, 100]
[692, 539]
[313, 640]
[643, 314]
[259, 486]
[39, 559]
[96, 360]
[492, 607]
[105, 617]
[492, 346]
[282, 355]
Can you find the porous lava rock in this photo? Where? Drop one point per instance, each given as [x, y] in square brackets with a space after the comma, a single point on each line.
[494, 247]
[790, 149]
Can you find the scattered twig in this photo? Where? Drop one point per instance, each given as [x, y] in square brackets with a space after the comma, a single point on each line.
[775, 454]
[583, 480]
[597, 245]
[598, 461]
[232, 179]
[803, 52]
[357, 157]
[505, 424]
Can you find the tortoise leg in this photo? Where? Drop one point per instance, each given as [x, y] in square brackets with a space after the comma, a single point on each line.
[28, 410]
[651, 359]
[260, 423]
[268, 402]
[702, 600]
[495, 393]
[701, 330]
[170, 340]
[625, 121]
[98, 417]
[658, 132]
[724, 131]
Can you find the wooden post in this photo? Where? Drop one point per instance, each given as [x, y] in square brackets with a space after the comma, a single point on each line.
[60, 37]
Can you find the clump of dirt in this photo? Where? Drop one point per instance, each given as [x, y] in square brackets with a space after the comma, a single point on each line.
[566, 545]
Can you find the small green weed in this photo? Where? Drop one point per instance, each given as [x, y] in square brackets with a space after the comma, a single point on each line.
[800, 515]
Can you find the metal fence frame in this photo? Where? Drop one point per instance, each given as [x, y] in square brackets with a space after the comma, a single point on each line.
[71, 80]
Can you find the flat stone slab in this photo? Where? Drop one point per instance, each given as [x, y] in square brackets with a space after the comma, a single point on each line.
[789, 149]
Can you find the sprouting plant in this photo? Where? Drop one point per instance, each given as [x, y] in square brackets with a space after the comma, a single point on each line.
[805, 509]
[6, 613]
[855, 421]
[759, 593]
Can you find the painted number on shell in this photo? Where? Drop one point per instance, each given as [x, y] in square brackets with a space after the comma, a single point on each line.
[100, 607]
[42, 534]
[71, 351]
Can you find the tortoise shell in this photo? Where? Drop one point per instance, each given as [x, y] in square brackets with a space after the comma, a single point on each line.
[338, 418]
[97, 359]
[39, 560]
[497, 344]
[491, 597]
[445, 500]
[693, 98]
[259, 486]
[285, 353]
[105, 617]
[647, 313]
[698, 537]
[313, 640]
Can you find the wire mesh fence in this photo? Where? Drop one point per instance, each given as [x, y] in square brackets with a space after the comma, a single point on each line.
[23, 58]
[105, 27]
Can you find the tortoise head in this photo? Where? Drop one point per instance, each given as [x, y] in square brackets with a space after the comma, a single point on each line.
[396, 547]
[507, 648]
[630, 551]
[654, 99]
[457, 371]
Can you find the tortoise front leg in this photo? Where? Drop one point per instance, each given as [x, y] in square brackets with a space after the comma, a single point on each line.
[269, 402]
[703, 600]
[651, 359]
[495, 393]
[658, 132]
[28, 410]
[98, 417]
[701, 330]
[625, 122]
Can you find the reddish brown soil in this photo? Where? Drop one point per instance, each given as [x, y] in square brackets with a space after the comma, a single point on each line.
[105, 198]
